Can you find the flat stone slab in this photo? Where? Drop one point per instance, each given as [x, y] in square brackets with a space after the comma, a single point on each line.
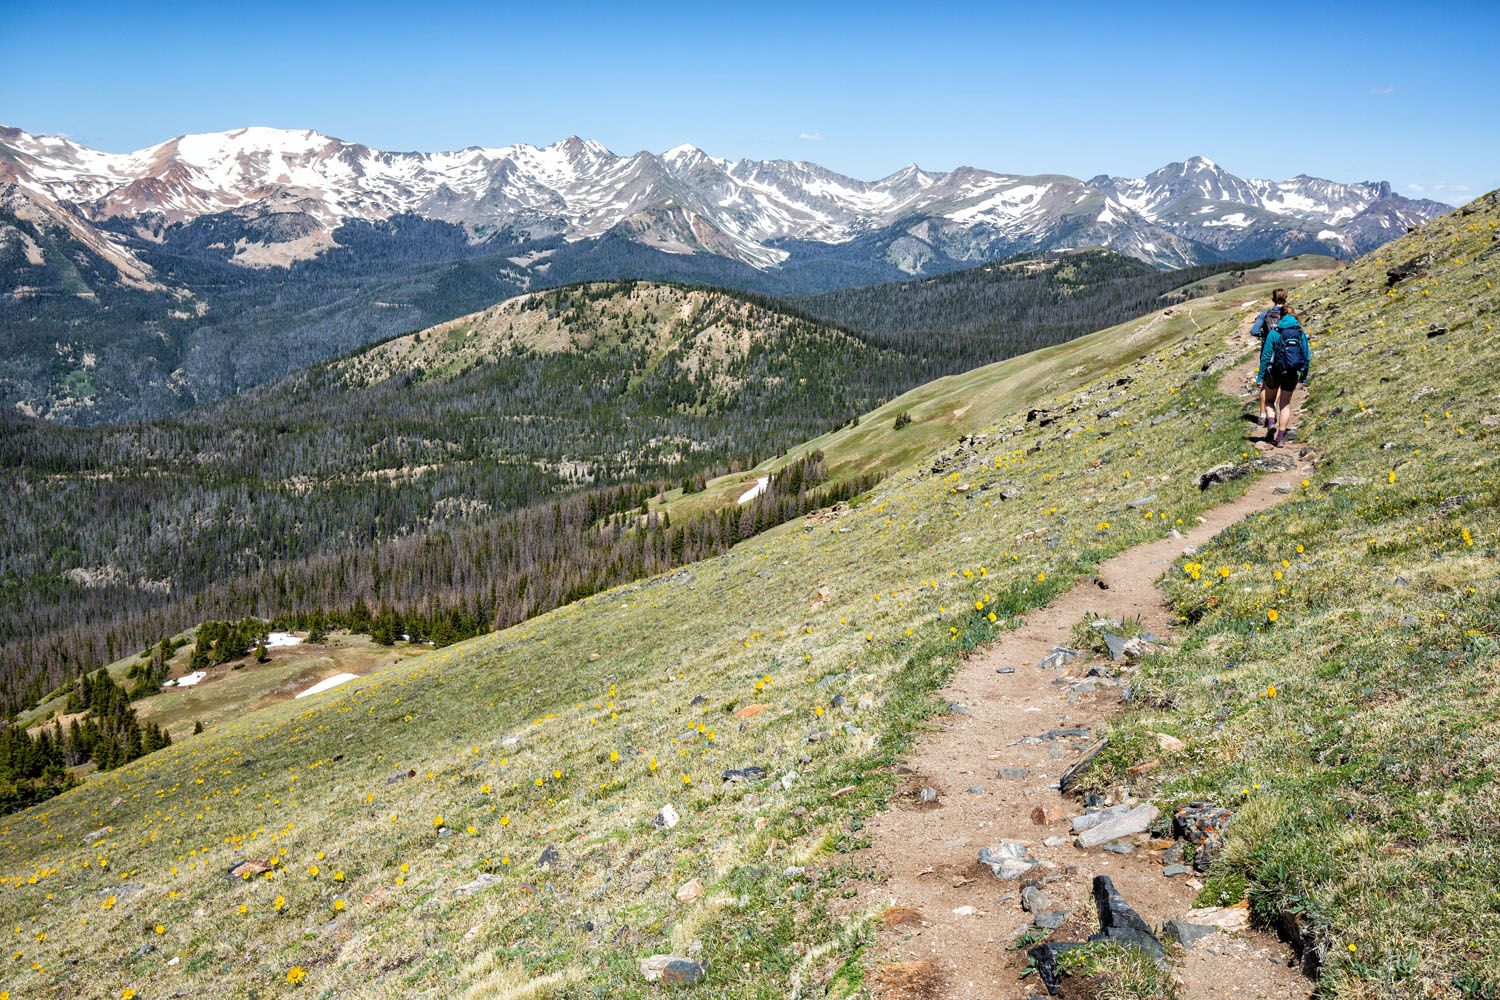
[1137, 820]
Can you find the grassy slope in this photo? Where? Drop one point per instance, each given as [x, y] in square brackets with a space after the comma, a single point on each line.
[526, 739]
[948, 408]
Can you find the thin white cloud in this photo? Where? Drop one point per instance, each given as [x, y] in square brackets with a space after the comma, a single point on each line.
[1415, 187]
[812, 136]
[1389, 88]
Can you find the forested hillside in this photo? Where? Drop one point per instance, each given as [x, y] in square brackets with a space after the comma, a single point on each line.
[1002, 309]
[393, 474]
[291, 499]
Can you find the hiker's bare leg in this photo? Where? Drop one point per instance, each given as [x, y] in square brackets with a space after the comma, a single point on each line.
[1284, 408]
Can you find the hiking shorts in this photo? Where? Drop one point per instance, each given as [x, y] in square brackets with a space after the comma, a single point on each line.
[1281, 380]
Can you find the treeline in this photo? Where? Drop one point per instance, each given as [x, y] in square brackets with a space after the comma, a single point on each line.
[967, 318]
[446, 588]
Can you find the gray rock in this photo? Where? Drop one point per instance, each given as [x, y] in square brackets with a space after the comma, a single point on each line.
[666, 818]
[1410, 621]
[1137, 820]
[1060, 656]
[1120, 923]
[549, 857]
[1053, 734]
[1115, 644]
[1118, 847]
[479, 884]
[1172, 871]
[975, 789]
[1334, 484]
[1094, 817]
[671, 970]
[744, 774]
[1034, 900]
[1008, 860]
[1051, 920]
[1142, 502]
[1044, 958]
[1227, 472]
[1070, 776]
[927, 794]
[1282, 489]
[1450, 505]
[1278, 461]
[1185, 933]
[1012, 773]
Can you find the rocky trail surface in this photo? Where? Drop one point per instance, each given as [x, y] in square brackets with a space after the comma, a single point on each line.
[979, 851]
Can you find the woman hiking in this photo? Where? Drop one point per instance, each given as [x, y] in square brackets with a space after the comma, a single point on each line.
[1285, 358]
[1267, 319]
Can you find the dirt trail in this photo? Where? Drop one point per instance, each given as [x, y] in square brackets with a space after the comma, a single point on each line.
[942, 907]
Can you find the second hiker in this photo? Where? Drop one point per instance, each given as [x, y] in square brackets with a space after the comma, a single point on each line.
[1285, 360]
[1263, 325]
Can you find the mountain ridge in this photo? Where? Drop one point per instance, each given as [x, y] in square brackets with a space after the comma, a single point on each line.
[738, 208]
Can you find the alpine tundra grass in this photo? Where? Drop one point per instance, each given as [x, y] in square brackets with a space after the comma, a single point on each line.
[491, 817]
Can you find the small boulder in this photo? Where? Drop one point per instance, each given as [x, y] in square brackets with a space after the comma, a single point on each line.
[1202, 824]
[1008, 860]
[1169, 744]
[1186, 933]
[479, 884]
[1137, 820]
[671, 970]
[1226, 918]
[1050, 920]
[1060, 656]
[1119, 922]
[1227, 472]
[666, 818]
[690, 891]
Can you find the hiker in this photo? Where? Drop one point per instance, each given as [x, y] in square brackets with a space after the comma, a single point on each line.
[1285, 358]
[1267, 319]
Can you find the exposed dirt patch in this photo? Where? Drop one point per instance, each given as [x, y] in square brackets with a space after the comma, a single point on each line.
[917, 980]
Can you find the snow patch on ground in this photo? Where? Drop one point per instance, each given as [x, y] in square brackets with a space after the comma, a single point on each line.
[327, 683]
[282, 639]
[761, 485]
[187, 680]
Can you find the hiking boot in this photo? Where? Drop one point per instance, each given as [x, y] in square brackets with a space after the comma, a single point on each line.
[1280, 438]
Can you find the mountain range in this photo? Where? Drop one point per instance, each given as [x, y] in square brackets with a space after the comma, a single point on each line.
[297, 188]
[138, 284]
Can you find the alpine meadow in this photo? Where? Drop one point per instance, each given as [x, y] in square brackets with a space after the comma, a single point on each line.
[446, 561]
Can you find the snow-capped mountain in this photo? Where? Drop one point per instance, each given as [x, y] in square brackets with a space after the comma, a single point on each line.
[297, 188]
[138, 284]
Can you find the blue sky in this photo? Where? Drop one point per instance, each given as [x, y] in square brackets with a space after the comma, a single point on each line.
[1401, 92]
